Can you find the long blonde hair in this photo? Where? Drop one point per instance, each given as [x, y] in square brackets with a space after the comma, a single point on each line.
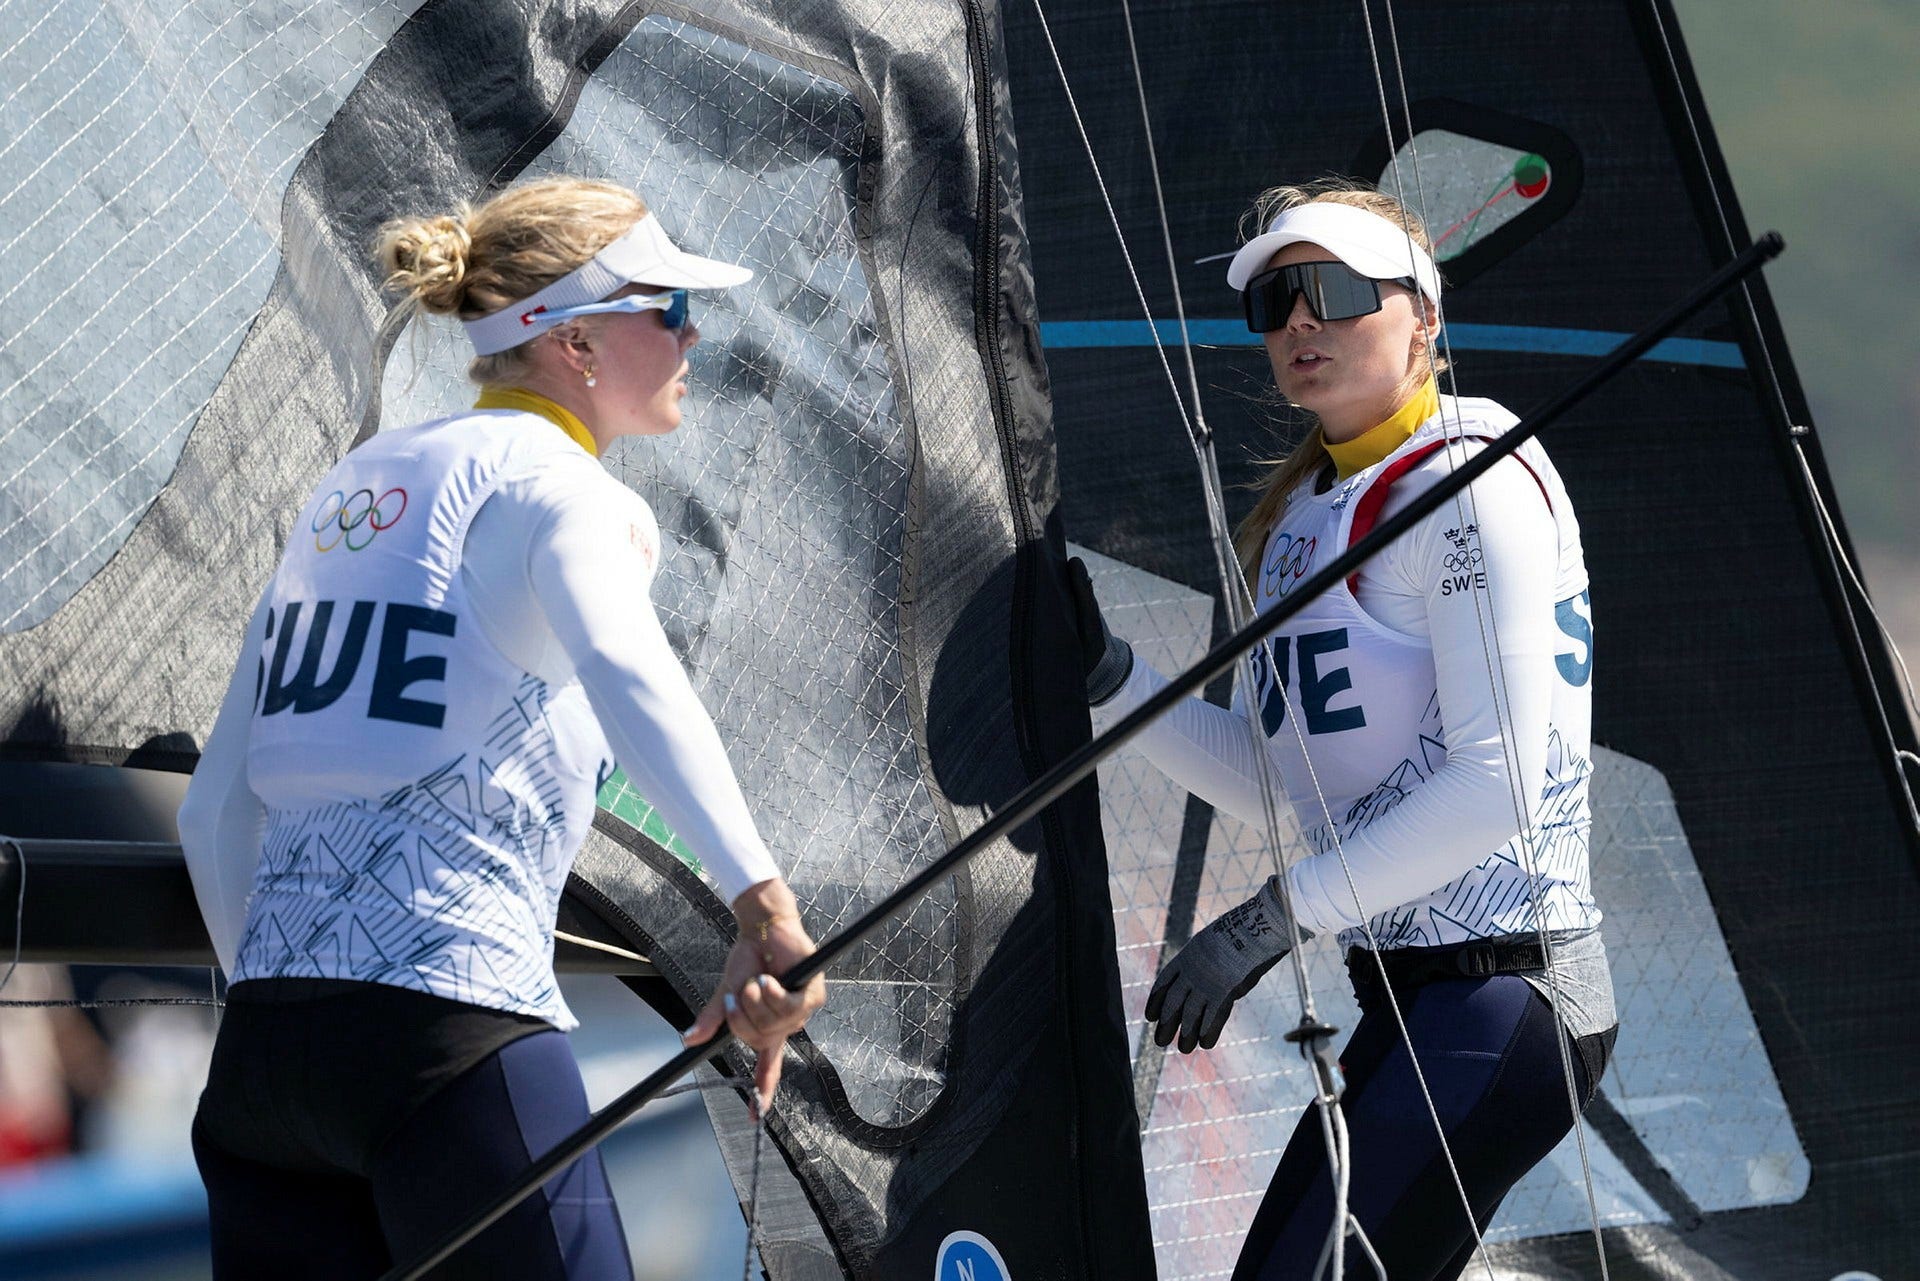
[1285, 474]
[474, 261]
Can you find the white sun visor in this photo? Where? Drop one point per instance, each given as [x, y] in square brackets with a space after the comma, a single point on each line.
[1376, 247]
[644, 255]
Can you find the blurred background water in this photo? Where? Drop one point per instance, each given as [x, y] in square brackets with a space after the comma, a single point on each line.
[1817, 107]
[130, 1204]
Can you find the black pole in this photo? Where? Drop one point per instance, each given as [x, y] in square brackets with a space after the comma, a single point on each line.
[1050, 786]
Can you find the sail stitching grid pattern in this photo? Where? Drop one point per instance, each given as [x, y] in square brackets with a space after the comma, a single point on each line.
[1835, 546]
[50, 523]
[811, 126]
[1236, 594]
[1333, 1123]
[1202, 442]
[884, 1083]
[1646, 939]
[1233, 588]
[692, 624]
[885, 819]
[1617, 1132]
[1150, 1063]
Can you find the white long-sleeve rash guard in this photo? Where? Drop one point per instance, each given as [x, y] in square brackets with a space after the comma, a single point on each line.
[1494, 715]
[538, 563]
[540, 555]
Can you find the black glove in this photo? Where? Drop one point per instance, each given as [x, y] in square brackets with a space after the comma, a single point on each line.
[1196, 991]
[1105, 658]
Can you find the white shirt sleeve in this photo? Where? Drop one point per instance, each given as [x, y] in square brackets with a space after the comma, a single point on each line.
[222, 823]
[586, 551]
[1493, 651]
[1205, 748]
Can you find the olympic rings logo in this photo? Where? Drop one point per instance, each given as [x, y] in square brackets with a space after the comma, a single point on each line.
[1287, 562]
[1463, 560]
[355, 518]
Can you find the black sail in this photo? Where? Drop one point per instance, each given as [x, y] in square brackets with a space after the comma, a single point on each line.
[1752, 847]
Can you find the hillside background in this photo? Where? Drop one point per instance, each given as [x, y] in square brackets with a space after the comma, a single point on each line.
[1818, 110]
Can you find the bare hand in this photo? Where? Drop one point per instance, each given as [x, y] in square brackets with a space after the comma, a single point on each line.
[749, 998]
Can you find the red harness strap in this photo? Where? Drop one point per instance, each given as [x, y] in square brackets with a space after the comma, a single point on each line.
[1367, 511]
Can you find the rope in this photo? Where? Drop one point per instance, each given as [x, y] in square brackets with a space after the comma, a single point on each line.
[1335, 1249]
[117, 1004]
[1489, 644]
[597, 946]
[752, 1207]
[72, 1003]
[1234, 606]
[1490, 636]
[1836, 548]
[1453, 431]
[1166, 224]
[1238, 601]
[215, 1002]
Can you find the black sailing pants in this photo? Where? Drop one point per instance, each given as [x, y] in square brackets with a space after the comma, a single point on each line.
[346, 1131]
[1490, 1051]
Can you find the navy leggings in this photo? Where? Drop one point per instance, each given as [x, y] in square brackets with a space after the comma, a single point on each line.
[331, 1147]
[1490, 1051]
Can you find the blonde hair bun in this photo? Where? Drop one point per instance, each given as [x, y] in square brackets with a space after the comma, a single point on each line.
[426, 260]
[473, 261]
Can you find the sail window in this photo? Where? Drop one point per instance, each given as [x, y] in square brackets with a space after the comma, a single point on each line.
[1487, 181]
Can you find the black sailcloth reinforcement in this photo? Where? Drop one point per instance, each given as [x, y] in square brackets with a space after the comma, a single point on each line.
[1750, 847]
[864, 570]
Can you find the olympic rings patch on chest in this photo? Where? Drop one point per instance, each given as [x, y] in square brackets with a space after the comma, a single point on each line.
[355, 519]
[1288, 559]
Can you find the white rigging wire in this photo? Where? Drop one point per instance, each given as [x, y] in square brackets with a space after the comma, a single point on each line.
[1831, 534]
[1467, 508]
[1332, 1123]
[1838, 548]
[1267, 794]
[1166, 225]
[751, 1210]
[1238, 600]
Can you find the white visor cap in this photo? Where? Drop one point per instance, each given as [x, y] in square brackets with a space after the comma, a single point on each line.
[1375, 247]
[643, 255]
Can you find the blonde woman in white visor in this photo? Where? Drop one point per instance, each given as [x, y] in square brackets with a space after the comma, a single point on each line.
[457, 646]
[1429, 721]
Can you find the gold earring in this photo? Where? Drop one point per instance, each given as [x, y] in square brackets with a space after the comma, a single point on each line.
[591, 380]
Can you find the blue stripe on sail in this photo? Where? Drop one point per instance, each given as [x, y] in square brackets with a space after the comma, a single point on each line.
[1233, 333]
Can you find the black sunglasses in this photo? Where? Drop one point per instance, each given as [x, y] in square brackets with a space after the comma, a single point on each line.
[1334, 291]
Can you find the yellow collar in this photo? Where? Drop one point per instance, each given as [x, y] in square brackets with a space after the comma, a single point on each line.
[534, 403]
[1368, 448]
